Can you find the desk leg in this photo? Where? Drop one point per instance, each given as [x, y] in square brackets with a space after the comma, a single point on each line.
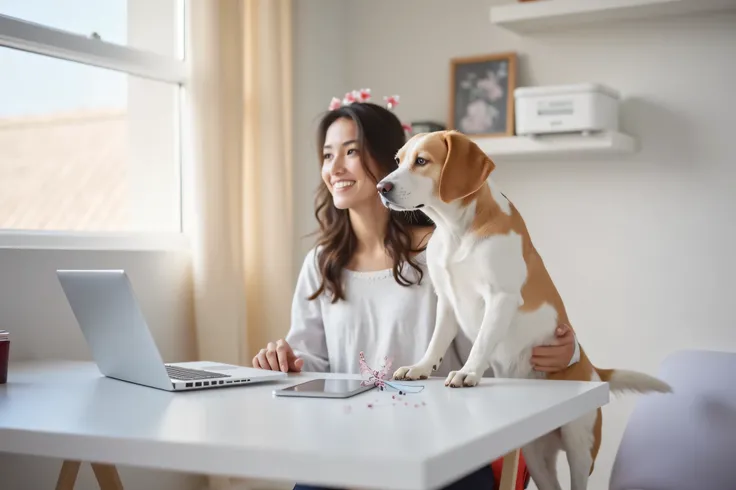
[107, 476]
[68, 475]
[509, 471]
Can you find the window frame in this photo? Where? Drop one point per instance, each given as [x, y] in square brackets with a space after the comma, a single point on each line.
[49, 41]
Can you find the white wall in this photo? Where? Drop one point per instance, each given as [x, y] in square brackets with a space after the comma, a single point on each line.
[33, 308]
[640, 247]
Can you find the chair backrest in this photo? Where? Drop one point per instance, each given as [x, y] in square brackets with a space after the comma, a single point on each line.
[685, 440]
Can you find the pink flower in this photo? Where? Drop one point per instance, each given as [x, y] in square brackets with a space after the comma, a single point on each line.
[349, 98]
[391, 101]
[335, 103]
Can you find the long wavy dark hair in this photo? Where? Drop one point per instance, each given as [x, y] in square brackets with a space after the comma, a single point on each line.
[381, 135]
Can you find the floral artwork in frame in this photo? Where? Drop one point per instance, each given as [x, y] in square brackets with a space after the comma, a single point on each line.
[482, 95]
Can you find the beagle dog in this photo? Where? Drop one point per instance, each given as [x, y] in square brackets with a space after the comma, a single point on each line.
[492, 285]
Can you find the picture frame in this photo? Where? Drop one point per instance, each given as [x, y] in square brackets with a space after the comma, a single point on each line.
[482, 94]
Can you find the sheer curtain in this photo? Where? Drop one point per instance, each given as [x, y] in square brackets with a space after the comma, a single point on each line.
[241, 211]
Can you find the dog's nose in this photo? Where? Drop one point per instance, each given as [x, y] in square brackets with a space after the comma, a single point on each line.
[385, 187]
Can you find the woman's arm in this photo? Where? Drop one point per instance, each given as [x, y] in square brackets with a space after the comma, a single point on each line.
[563, 352]
[305, 347]
[307, 334]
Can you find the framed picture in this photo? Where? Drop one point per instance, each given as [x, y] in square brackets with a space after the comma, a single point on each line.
[482, 94]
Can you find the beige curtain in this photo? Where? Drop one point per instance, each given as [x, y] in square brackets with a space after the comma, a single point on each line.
[241, 99]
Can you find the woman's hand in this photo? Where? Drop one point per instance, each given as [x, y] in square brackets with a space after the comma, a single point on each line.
[556, 356]
[278, 357]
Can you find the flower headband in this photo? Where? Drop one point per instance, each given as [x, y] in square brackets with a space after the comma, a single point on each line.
[364, 95]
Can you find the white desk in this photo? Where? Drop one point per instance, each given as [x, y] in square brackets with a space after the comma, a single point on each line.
[67, 410]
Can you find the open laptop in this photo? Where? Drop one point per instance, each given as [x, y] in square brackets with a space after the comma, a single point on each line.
[112, 322]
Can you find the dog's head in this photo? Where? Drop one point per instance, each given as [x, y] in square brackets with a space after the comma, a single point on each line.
[435, 168]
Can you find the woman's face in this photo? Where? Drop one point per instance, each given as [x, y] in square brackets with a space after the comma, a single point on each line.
[342, 167]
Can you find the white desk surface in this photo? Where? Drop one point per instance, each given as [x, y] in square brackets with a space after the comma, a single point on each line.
[68, 410]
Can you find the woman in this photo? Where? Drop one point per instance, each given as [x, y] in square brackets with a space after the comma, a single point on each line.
[365, 286]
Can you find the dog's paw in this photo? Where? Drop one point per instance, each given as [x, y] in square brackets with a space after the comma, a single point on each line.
[457, 379]
[413, 373]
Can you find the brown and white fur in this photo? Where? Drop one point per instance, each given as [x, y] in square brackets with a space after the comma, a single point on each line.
[492, 285]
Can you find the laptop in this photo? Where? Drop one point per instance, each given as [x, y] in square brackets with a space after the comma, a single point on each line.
[112, 322]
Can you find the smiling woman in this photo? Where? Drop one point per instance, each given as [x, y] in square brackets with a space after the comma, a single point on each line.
[358, 145]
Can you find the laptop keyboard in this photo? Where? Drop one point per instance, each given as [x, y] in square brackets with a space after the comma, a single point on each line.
[176, 372]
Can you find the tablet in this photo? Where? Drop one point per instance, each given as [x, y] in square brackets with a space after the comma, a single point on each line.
[326, 388]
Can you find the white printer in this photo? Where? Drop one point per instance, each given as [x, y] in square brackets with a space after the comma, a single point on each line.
[582, 108]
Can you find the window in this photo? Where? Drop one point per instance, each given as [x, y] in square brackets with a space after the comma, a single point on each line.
[90, 115]
[153, 25]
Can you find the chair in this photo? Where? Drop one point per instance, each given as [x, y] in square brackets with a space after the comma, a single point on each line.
[685, 440]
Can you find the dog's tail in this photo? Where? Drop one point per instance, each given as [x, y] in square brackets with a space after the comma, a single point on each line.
[621, 380]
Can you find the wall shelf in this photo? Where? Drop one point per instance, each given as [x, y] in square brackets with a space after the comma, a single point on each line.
[556, 146]
[550, 15]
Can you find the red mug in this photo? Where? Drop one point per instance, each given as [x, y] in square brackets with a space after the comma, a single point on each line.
[4, 356]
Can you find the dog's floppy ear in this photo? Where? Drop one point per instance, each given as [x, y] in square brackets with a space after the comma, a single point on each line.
[466, 168]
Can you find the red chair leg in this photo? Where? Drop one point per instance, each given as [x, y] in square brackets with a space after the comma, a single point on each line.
[522, 477]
